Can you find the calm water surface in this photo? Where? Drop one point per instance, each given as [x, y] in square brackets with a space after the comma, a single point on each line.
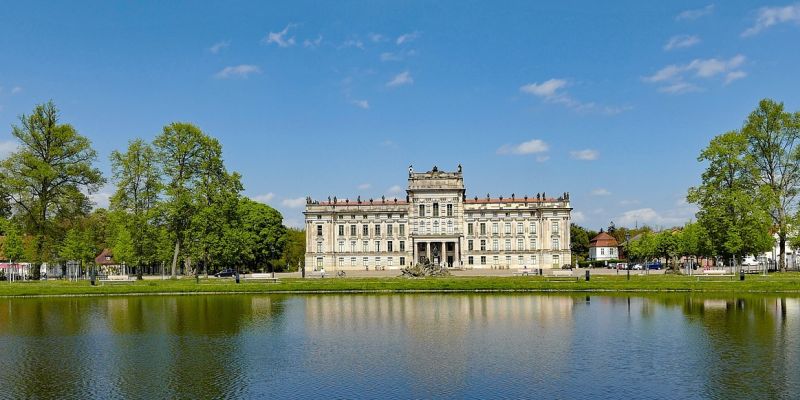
[400, 346]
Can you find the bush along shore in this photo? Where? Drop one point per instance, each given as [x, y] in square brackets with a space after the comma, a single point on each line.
[782, 283]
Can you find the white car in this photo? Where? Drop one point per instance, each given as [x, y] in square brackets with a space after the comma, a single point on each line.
[749, 261]
[637, 267]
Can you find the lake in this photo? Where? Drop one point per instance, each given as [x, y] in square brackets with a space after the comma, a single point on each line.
[400, 346]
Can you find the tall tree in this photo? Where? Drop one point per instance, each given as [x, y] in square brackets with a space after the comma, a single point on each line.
[579, 242]
[51, 169]
[179, 147]
[266, 234]
[294, 250]
[732, 212]
[77, 246]
[773, 137]
[137, 176]
[13, 249]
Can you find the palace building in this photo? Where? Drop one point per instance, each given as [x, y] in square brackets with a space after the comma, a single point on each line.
[438, 223]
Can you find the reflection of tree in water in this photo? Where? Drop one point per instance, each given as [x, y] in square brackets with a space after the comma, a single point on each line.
[748, 349]
[140, 346]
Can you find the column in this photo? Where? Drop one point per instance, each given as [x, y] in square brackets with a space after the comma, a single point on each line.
[457, 254]
[443, 254]
[428, 250]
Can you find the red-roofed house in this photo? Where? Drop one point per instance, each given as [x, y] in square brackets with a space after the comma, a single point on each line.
[603, 247]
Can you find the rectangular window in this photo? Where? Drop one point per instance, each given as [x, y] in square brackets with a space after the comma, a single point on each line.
[435, 209]
[341, 230]
[520, 228]
[319, 247]
[520, 260]
[494, 228]
[422, 210]
[495, 260]
[389, 261]
[483, 260]
[532, 228]
[341, 260]
[389, 246]
[319, 230]
[377, 261]
[352, 230]
[602, 251]
[364, 230]
[319, 262]
[520, 244]
[469, 229]
[483, 245]
[353, 246]
[483, 228]
[389, 230]
[508, 228]
[402, 261]
[555, 227]
[402, 229]
[555, 245]
[352, 261]
[495, 246]
[556, 261]
[341, 247]
[470, 260]
[377, 230]
[469, 245]
[533, 244]
[508, 244]
[365, 246]
[366, 261]
[508, 260]
[449, 210]
[377, 245]
[533, 261]
[449, 226]
[402, 246]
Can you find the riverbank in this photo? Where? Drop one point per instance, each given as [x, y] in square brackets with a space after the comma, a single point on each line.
[774, 283]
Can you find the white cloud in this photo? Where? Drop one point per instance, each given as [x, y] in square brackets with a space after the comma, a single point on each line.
[534, 146]
[364, 186]
[680, 88]
[649, 216]
[280, 38]
[552, 91]
[7, 147]
[681, 42]
[361, 104]
[100, 199]
[542, 158]
[732, 76]
[601, 192]
[376, 37]
[219, 46]
[578, 216]
[263, 198]
[16, 89]
[408, 37]
[395, 190]
[675, 76]
[585, 155]
[403, 78]
[294, 203]
[696, 13]
[238, 71]
[313, 43]
[353, 43]
[769, 16]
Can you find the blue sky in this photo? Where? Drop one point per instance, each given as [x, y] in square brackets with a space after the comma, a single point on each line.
[611, 101]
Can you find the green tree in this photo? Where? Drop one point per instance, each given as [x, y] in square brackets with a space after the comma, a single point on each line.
[264, 231]
[643, 248]
[773, 137]
[12, 245]
[732, 209]
[179, 148]
[48, 173]
[579, 242]
[294, 250]
[77, 246]
[138, 180]
[667, 246]
[124, 251]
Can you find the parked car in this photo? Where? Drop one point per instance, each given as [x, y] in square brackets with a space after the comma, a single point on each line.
[637, 267]
[654, 265]
[226, 273]
[750, 261]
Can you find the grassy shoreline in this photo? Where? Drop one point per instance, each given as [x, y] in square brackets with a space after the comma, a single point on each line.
[784, 284]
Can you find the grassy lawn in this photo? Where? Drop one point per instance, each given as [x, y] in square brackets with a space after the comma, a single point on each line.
[774, 283]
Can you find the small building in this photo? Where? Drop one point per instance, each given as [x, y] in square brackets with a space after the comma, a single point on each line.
[603, 247]
[108, 265]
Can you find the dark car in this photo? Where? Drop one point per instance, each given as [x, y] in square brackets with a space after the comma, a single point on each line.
[655, 265]
[227, 273]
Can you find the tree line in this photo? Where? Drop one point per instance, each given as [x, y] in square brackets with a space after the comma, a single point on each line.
[175, 203]
[747, 197]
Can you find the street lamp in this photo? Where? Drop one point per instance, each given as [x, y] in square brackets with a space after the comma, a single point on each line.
[627, 251]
